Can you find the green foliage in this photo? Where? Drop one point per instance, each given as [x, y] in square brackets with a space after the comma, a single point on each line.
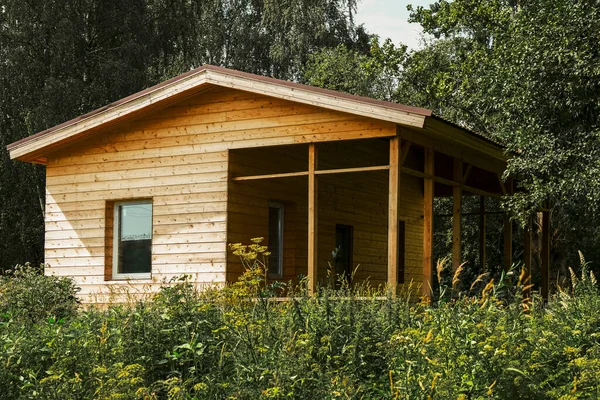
[482, 342]
[373, 74]
[30, 297]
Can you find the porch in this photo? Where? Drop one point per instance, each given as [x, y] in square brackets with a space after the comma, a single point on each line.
[366, 202]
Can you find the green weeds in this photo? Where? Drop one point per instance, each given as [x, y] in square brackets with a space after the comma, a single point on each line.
[482, 341]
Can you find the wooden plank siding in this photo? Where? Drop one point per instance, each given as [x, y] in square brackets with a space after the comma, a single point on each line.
[179, 158]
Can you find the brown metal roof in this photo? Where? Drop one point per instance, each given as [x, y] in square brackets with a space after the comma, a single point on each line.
[470, 132]
[361, 99]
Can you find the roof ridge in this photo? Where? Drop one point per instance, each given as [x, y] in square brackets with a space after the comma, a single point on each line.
[227, 71]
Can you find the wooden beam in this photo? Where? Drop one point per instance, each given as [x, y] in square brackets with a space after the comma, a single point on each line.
[404, 152]
[467, 173]
[394, 189]
[443, 143]
[457, 214]
[465, 138]
[413, 172]
[527, 259]
[313, 220]
[269, 176]
[428, 223]
[482, 228]
[508, 233]
[545, 254]
[507, 242]
[305, 173]
[502, 186]
[464, 214]
[357, 169]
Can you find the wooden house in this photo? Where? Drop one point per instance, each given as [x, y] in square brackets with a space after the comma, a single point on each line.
[157, 184]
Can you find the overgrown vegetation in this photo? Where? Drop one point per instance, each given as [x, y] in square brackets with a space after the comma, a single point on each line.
[239, 342]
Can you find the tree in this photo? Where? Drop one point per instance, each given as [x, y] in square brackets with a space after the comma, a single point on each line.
[526, 74]
[373, 74]
[60, 59]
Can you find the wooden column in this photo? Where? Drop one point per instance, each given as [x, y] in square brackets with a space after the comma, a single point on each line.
[508, 227]
[482, 253]
[312, 219]
[527, 258]
[545, 256]
[394, 189]
[428, 222]
[457, 214]
[508, 231]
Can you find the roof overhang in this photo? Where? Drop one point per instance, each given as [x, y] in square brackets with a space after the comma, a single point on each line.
[34, 148]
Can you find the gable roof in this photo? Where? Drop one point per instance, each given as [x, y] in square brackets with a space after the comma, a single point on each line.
[195, 81]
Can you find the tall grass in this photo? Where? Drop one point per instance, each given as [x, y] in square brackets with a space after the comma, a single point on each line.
[484, 341]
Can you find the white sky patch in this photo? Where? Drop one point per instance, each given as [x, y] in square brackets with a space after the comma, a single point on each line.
[389, 18]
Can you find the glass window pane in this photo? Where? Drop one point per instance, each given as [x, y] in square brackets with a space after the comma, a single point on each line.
[135, 238]
[136, 221]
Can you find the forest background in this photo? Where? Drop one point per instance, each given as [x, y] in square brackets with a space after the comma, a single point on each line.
[524, 73]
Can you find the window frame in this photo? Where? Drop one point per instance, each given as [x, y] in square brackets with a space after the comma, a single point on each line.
[281, 227]
[116, 275]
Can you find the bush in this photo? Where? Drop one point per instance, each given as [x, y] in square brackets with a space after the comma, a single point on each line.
[26, 294]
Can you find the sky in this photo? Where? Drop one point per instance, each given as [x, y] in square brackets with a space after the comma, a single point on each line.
[389, 18]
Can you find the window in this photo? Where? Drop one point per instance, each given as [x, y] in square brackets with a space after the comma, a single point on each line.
[343, 250]
[275, 240]
[132, 240]
[401, 250]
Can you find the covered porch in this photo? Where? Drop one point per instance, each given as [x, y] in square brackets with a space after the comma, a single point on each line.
[367, 202]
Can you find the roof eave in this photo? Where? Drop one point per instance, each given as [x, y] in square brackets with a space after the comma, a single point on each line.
[29, 149]
[32, 148]
[469, 138]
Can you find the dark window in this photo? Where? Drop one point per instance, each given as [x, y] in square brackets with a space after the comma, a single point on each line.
[343, 250]
[132, 245]
[401, 249]
[276, 240]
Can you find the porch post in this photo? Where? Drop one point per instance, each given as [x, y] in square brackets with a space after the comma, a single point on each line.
[508, 227]
[428, 222]
[312, 219]
[394, 186]
[545, 254]
[482, 253]
[527, 258]
[457, 214]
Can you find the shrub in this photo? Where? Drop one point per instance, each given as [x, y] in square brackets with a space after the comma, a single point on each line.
[25, 293]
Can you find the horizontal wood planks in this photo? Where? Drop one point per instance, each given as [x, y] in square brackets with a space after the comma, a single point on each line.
[178, 157]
